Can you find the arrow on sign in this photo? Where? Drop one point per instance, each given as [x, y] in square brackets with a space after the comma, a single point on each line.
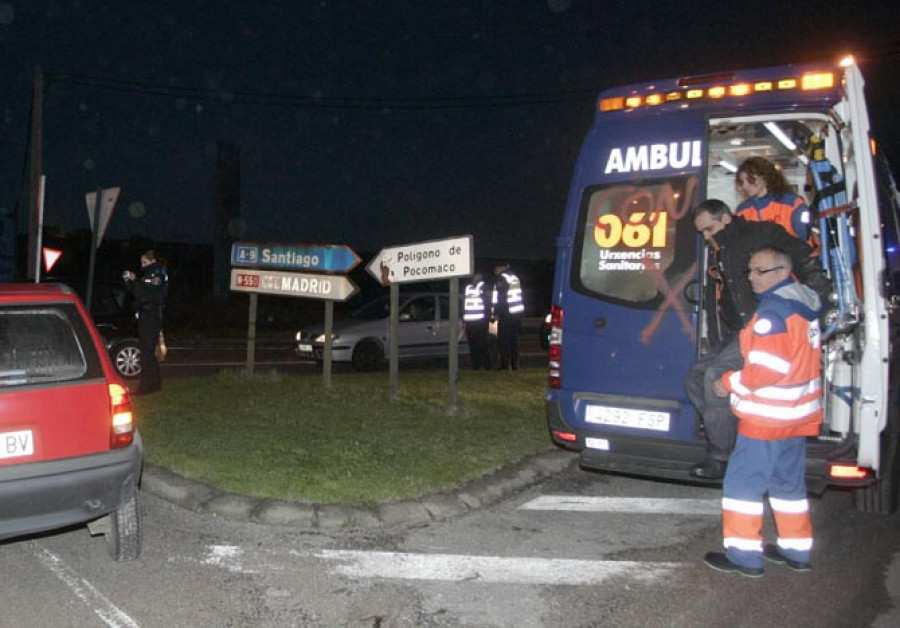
[325, 287]
[424, 261]
[329, 258]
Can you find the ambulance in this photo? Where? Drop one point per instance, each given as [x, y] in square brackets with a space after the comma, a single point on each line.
[628, 317]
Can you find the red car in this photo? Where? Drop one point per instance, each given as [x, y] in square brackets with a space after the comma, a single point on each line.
[69, 449]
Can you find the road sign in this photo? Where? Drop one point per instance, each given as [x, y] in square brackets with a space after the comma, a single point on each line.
[51, 256]
[108, 199]
[328, 258]
[326, 287]
[424, 261]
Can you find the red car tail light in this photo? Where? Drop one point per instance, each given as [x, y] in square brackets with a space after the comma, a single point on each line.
[121, 417]
[554, 379]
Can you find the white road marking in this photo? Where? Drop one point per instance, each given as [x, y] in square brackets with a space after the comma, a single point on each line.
[634, 505]
[230, 557]
[112, 615]
[494, 569]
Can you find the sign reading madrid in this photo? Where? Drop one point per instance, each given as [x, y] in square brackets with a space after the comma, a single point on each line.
[424, 261]
[328, 287]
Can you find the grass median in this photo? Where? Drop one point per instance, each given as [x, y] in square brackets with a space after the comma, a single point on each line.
[291, 437]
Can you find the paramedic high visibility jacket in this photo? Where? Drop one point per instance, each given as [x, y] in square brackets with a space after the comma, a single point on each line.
[777, 394]
[788, 210]
[474, 307]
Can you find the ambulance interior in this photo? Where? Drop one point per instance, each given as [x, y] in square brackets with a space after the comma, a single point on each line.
[784, 140]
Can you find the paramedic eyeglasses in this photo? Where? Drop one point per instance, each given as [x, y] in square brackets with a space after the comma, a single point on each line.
[762, 271]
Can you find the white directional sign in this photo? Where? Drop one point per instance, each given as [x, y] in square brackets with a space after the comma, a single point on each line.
[326, 287]
[424, 261]
[108, 200]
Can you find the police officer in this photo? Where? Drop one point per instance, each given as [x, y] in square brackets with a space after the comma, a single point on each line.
[149, 291]
[508, 307]
[476, 315]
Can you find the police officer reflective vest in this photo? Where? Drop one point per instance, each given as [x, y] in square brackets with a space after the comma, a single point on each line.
[473, 306]
[507, 297]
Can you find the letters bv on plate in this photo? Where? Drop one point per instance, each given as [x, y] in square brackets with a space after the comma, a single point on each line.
[627, 417]
[16, 444]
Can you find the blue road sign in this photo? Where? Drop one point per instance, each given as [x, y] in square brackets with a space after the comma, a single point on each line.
[328, 258]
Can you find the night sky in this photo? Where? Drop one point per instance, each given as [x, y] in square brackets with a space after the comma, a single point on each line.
[371, 123]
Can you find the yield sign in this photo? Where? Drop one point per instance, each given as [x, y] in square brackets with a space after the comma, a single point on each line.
[108, 200]
[51, 256]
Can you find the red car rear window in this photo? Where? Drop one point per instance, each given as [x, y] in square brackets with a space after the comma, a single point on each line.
[39, 345]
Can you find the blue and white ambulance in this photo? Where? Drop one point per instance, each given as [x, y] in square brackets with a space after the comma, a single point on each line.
[628, 318]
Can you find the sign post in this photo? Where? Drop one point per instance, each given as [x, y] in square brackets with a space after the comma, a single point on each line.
[94, 214]
[451, 259]
[252, 262]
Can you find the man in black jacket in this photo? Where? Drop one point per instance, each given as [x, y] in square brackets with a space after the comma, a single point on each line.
[731, 303]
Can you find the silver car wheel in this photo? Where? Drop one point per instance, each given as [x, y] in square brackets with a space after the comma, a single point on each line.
[127, 359]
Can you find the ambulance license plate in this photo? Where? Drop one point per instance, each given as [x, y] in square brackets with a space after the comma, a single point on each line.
[628, 417]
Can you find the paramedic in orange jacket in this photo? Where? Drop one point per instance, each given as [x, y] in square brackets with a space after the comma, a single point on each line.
[777, 399]
[768, 197]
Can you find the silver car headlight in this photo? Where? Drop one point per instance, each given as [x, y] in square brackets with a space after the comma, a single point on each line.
[321, 337]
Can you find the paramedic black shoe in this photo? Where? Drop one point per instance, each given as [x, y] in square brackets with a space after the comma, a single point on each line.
[720, 562]
[771, 554]
[709, 469]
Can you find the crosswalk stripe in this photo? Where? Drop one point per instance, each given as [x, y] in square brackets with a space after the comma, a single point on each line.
[634, 505]
[493, 569]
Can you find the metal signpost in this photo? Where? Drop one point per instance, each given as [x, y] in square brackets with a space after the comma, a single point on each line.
[451, 259]
[252, 261]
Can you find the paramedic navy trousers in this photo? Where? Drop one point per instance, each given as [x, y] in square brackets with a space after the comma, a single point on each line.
[757, 468]
[719, 421]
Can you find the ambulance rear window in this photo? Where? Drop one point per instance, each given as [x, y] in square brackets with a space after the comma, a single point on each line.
[634, 239]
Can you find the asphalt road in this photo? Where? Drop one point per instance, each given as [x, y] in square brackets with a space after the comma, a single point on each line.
[579, 549]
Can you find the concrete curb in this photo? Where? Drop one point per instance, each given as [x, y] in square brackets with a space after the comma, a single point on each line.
[487, 490]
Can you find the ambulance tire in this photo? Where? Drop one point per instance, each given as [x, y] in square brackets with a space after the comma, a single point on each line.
[882, 497]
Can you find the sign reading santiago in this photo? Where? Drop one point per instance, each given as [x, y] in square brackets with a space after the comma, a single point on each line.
[331, 258]
[424, 261]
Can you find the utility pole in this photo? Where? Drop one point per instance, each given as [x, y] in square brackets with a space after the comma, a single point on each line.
[37, 133]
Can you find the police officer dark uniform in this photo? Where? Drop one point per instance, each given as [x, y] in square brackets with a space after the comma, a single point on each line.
[476, 315]
[508, 307]
[149, 291]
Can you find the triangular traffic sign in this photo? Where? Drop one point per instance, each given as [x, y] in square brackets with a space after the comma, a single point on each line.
[108, 199]
[51, 256]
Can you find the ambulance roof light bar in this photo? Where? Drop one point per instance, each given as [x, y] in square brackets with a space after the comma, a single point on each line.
[720, 86]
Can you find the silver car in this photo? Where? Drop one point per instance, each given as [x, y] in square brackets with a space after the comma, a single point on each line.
[424, 331]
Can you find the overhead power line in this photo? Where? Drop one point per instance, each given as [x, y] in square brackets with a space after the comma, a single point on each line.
[321, 101]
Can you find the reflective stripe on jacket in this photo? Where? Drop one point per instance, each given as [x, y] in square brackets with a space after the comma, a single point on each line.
[473, 306]
[508, 295]
[777, 394]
